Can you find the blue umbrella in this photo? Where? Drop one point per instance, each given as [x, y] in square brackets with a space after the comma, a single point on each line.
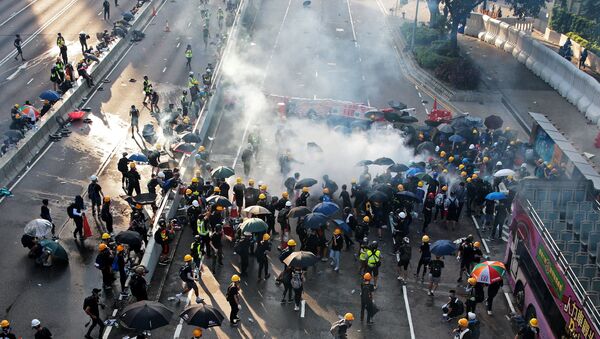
[443, 247]
[328, 208]
[50, 95]
[456, 138]
[138, 157]
[496, 196]
[413, 171]
[315, 220]
[341, 225]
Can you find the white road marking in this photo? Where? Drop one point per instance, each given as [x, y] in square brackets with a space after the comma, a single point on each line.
[189, 24]
[164, 69]
[408, 314]
[30, 80]
[352, 24]
[331, 64]
[14, 75]
[339, 29]
[100, 13]
[302, 308]
[17, 13]
[178, 44]
[316, 74]
[419, 93]
[510, 304]
[314, 96]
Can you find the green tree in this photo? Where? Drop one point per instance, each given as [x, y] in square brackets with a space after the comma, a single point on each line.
[591, 9]
[523, 8]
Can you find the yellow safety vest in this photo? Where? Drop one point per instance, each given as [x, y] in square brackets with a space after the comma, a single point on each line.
[373, 258]
[363, 254]
[202, 230]
[188, 53]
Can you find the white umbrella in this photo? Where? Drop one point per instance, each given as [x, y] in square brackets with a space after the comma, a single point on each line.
[504, 173]
[38, 228]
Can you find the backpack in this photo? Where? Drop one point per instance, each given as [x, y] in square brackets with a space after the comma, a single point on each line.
[70, 210]
[296, 280]
[435, 269]
[183, 273]
[334, 330]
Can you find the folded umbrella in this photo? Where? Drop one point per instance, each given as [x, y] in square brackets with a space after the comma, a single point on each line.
[495, 196]
[50, 95]
[301, 259]
[493, 122]
[222, 172]
[257, 210]
[397, 168]
[131, 238]
[55, 249]
[298, 212]
[218, 200]
[443, 247]
[202, 315]
[306, 182]
[138, 157]
[254, 225]
[383, 161]
[38, 228]
[145, 315]
[315, 220]
[504, 173]
[328, 208]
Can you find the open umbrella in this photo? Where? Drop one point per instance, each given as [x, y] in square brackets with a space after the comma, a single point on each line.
[385, 188]
[184, 147]
[76, 115]
[191, 137]
[301, 259]
[328, 208]
[407, 119]
[38, 228]
[257, 210]
[138, 157]
[374, 114]
[254, 225]
[306, 182]
[474, 121]
[55, 249]
[314, 220]
[397, 104]
[426, 146]
[49, 95]
[504, 173]
[424, 177]
[313, 147]
[424, 128]
[414, 171]
[445, 128]
[456, 138]
[298, 212]
[364, 163]
[338, 223]
[145, 315]
[406, 195]
[443, 247]
[493, 122]
[222, 172]
[393, 116]
[495, 196]
[383, 161]
[378, 196]
[131, 238]
[397, 168]
[218, 200]
[202, 315]
[488, 272]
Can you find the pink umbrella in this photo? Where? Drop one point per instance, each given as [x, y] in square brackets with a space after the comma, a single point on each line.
[76, 115]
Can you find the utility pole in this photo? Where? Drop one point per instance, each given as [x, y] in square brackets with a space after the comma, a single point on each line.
[412, 39]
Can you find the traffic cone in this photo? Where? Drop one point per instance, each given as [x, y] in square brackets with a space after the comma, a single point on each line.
[167, 29]
[597, 141]
[153, 10]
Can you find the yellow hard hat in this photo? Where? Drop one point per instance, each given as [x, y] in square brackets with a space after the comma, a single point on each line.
[132, 165]
[472, 281]
[442, 154]
[251, 182]
[285, 194]
[337, 231]
[533, 322]
[201, 149]
[263, 187]
[353, 181]
[444, 171]
[510, 177]
[366, 218]
[486, 159]
[326, 190]
[106, 198]
[420, 184]
[444, 188]
[349, 317]
[477, 244]
[102, 247]
[105, 236]
[474, 131]
[425, 238]
[266, 237]
[474, 176]
[120, 248]
[305, 189]
[507, 128]
[238, 180]
[400, 187]
[188, 191]
[196, 193]
[158, 147]
[469, 179]
[195, 180]
[220, 208]
[463, 174]
[367, 276]
[463, 322]
[217, 189]
[291, 242]
[550, 166]
[187, 258]
[235, 278]
[451, 159]
[17, 106]
[262, 196]
[197, 332]
[4, 323]
[186, 120]
[461, 166]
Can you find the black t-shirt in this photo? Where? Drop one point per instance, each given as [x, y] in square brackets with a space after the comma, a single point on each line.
[435, 268]
[185, 271]
[232, 291]
[338, 244]
[527, 332]
[425, 252]
[92, 303]
[365, 291]
[44, 333]
[7, 336]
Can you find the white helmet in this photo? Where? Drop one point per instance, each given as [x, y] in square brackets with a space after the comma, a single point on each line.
[523, 165]
[195, 203]
[471, 146]
[406, 240]
[35, 323]
[93, 178]
[499, 163]
[288, 203]
[191, 73]
[161, 175]
[402, 215]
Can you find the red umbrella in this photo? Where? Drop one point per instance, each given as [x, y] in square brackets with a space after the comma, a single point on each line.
[76, 115]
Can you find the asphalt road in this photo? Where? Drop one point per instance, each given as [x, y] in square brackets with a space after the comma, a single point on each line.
[55, 295]
[38, 22]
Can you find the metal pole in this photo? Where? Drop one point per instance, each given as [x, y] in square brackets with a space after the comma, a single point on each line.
[412, 39]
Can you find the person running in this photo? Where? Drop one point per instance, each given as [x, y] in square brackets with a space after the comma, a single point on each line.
[186, 274]
[6, 330]
[435, 273]
[366, 298]
[425, 257]
[17, 44]
[262, 250]
[76, 212]
[405, 253]
[134, 114]
[339, 329]
[233, 297]
[297, 282]
[40, 331]
[91, 307]
[188, 56]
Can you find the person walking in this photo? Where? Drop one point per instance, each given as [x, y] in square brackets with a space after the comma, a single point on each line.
[339, 329]
[405, 254]
[242, 248]
[428, 206]
[188, 56]
[62, 45]
[106, 8]
[374, 261]
[297, 282]
[5, 330]
[134, 114]
[83, 36]
[121, 268]
[106, 214]
[76, 211]
[261, 252]
[104, 262]
[17, 44]
[206, 36]
[435, 273]
[91, 306]
[366, 299]
[138, 284]
[220, 17]
[492, 291]
[233, 297]
[216, 243]
[583, 58]
[336, 243]
[95, 194]
[45, 214]
[186, 274]
[123, 168]
[425, 257]
[40, 331]
[133, 180]
[154, 98]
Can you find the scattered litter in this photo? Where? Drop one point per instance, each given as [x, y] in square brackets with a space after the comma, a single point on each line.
[87, 121]
[171, 298]
[132, 80]
[40, 285]
[251, 320]
[353, 291]
[588, 155]
[105, 81]
[5, 192]
[100, 89]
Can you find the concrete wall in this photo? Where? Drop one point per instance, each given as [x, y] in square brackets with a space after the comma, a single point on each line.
[15, 161]
[576, 86]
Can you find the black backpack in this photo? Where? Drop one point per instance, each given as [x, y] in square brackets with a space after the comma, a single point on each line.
[70, 210]
[435, 269]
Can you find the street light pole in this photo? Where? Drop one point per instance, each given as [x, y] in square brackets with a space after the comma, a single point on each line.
[414, 31]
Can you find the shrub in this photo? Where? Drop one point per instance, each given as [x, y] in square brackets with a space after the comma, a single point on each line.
[593, 47]
[427, 57]
[443, 47]
[459, 72]
[423, 36]
[563, 22]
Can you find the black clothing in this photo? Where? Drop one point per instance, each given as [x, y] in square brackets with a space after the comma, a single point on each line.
[138, 287]
[43, 333]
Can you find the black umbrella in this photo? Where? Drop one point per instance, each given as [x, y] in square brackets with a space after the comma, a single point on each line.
[397, 168]
[14, 135]
[202, 315]
[424, 128]
[394, 116]
[298, 212]
[218, 200]
[289, 183]
[145, 315]
[397, 105]
[184, 147]
[407, 119]
[306, 182]
[445, 128]
[433, 123]
[314, 220]
[407, 196]
[191, 137]
[364, 163]
[383, 161]
[378, 196]
[131, 238]
[493, 122]
[301, 259]
[426, 146]
[387, 189]
[374, 114]
[314, 147]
